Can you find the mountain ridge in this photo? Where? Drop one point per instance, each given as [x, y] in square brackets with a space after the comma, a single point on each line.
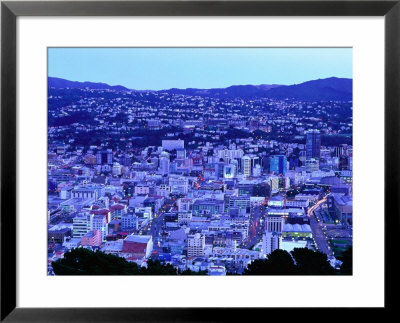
[327, 89]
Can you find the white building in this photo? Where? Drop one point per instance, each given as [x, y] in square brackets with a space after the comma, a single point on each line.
[230, 153]
[196, 244]
[99, 222]
[81, 225]
[146, 211]
[184, 204]
[312, 165]
[184, 217]
[272, 238]
[298, 203]
[164, 163]
[116, 169]
[72, 243]
[84, 193]
[142, 190]
[246, 164]
[179, 185]
[113, 247]
[257, 171]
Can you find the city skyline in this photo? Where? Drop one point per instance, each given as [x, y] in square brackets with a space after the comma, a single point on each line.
[165, 68]
[246, 180]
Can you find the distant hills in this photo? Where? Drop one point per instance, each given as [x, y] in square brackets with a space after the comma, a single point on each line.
[329, 89]
[59, 83]
[229, 92]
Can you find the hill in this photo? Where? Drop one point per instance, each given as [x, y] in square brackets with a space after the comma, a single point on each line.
[55, 82]
[329, 89]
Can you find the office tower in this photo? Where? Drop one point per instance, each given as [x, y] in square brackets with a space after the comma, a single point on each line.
[257, 171]
[255, 160]
[99, 223]
[129, 222]
[229, 171]
[235, 163]
[278, 164]
[104, 157]
[265, 163]
[272, 237]
[246, 166]
[81, 225]
[196, 244]
[313, 144]
[219, 169]
[164, 163]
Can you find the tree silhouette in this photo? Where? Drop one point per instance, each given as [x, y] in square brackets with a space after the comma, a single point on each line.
[347, 258]
[279, 262]
[80, 261]
[154, 267]
[188, 272]
[309, 262]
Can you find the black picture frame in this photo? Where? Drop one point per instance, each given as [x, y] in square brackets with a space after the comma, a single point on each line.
[10, 10]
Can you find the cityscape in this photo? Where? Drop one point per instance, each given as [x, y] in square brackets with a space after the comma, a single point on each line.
[213, 180]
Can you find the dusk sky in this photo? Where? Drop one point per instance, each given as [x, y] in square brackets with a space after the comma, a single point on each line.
[164, 68]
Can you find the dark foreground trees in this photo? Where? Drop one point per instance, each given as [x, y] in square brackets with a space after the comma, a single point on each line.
[278, 262]
[309, 262]
[301, 261]
[347, 258]
[82, 261]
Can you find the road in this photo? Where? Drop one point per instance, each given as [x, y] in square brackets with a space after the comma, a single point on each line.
[255, 228]
[156, 225]
[316, 227]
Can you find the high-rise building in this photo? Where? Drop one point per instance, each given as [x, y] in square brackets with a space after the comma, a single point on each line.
[99, 223]
[81, 225]
[313, 144]
[272, 237]
[278, 164]
[196, 244]
[257, 171]
[104, 157]
[219, 169]
[164, 163]
[229, 171]
[246, 166]
[129, 222]
[255, 160]
[274, 224]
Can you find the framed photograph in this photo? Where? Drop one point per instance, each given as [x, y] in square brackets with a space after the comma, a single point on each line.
[184, 160]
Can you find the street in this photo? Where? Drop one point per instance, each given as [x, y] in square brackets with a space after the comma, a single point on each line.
[319, 236]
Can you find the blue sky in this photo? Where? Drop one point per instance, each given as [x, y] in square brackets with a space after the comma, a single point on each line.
[164, 68]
